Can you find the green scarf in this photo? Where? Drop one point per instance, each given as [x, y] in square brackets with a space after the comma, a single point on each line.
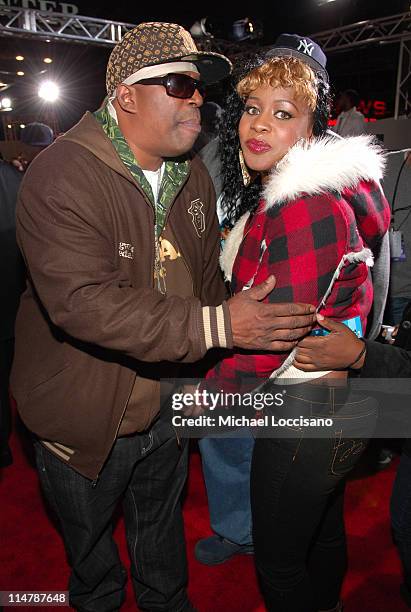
[175, 173]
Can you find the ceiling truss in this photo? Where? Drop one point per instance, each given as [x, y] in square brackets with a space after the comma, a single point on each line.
[31, 23]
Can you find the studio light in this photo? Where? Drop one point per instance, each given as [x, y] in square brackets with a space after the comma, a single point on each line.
[49, 91]
[199, 29]
[5, 103]
[209, 28]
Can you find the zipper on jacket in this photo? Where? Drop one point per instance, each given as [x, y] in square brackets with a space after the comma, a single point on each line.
[156, 240]
[175, 235]
[177, 438]
[153, 208]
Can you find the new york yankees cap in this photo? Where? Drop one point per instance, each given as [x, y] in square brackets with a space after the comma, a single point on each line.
[303, 48]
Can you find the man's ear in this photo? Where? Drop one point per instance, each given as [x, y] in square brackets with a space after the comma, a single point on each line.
[126, 98]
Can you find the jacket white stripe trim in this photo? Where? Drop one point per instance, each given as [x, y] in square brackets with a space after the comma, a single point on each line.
[222, 340]
[231, 246]
[56, 451]
[207, 327]
[365, 255]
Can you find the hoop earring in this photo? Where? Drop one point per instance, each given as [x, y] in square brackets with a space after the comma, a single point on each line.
[244, 170]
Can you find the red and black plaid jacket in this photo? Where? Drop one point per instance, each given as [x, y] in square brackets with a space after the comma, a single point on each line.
[301, 240]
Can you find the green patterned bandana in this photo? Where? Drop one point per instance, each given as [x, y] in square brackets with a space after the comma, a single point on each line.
[175, 173]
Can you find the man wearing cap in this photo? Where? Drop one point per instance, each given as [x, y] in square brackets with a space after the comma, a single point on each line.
[34, 138]
[118, 229]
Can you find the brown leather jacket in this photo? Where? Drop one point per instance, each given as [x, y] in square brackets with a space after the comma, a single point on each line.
[90, 320]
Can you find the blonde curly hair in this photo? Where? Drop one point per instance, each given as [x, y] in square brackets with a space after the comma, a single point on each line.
[282, 72]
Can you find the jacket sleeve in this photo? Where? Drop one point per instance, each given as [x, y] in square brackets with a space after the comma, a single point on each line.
[213, 290]
[386, 361]
[213, 287]
[372, 212]
[69, 256]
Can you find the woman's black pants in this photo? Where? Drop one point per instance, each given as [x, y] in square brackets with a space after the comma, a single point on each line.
[297, 493]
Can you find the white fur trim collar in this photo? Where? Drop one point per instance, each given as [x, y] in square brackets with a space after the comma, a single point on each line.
[325, 164]
[231, 246]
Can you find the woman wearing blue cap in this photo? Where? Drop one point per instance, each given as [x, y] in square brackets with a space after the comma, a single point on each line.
[309, 209]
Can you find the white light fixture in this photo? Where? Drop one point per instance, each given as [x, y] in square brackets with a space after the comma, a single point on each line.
[49, 91]
[19, 58]
[5, 103]
[47, 60]
[22, 125]
[9, 126]
[20, 73]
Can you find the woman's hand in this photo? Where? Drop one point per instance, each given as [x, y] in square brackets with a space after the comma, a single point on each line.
[336, 351]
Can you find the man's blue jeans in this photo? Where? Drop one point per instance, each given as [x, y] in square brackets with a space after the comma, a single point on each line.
[226, 467]
[147, 473]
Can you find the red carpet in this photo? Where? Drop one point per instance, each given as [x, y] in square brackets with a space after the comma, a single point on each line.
[32, 555]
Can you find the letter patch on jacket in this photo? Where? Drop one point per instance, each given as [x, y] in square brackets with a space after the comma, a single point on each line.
[167, 250]
[126, 250]
[197, 216]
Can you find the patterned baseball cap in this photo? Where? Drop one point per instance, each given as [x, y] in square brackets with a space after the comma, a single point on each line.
[303, 48]
[152, 43]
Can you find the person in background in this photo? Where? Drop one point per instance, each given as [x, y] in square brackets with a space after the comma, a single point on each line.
[117, 226]
[397, 187]
[226, 461]
[12, 273]
[19, 162]
[341, 349]
[34, 137]
[350, 121]
[210, 116]
[11, 286]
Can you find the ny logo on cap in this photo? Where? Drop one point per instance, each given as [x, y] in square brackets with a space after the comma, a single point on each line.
[306, 47]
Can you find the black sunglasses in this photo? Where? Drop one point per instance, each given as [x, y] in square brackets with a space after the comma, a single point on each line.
[177, 85]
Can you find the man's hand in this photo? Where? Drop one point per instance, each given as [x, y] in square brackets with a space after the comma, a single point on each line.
[336, 351]
[267, 327]
[196, 409]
